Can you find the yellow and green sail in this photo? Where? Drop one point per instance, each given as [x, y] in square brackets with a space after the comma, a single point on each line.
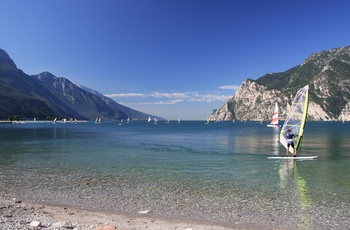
[296, 117]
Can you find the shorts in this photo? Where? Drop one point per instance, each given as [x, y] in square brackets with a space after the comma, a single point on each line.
[290, 144]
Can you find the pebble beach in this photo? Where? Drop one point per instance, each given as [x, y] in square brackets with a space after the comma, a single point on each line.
[17, 214]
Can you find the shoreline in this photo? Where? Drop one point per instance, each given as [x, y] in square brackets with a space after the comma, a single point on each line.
[18, 214]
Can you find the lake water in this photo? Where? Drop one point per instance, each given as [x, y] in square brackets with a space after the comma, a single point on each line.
[217, 173]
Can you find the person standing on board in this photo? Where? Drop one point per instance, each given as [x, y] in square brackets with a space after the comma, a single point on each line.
[289, 137]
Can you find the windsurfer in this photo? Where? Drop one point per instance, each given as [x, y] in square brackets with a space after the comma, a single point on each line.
[289, 137]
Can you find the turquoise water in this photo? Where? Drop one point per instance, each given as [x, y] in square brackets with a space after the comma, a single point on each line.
[217, 173]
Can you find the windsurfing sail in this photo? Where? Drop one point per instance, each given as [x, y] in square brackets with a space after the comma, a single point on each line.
[296, 118]
[274, 120]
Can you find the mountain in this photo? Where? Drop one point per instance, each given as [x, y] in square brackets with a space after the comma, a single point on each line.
[128, 112]
[88, 102]
[22, 96]
[45, 96]
[326, 72]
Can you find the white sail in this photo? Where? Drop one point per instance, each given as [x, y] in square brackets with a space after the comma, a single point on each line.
[296, 118]
[149, 119]
[274, 120]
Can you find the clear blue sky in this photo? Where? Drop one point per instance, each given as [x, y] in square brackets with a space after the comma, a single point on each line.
[171, 58]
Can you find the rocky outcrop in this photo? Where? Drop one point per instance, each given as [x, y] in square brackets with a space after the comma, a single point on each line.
[345, 113]
[250, 102]
[326, 72]
[317, 113]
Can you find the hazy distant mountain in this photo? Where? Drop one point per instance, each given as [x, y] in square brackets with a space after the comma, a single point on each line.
[128, 112]
[326, 72]
[45, 96]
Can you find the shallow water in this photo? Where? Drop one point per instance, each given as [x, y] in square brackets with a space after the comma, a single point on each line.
[217, 172]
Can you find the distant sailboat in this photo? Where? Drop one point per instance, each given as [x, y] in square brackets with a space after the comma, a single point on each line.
[149, 119]
[178, 120]
[155, 121]
[274, 120]
[207, 121]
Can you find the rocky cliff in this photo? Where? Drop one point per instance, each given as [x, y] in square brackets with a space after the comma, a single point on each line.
[326, 72]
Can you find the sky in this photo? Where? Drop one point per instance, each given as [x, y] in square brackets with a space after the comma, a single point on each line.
[170, 58]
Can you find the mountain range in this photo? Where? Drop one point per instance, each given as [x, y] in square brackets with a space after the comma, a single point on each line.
[328, 75]
[45, 96]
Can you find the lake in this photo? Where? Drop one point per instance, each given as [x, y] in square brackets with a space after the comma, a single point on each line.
[216, 173]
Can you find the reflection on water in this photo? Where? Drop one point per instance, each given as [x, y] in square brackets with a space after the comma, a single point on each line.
[304, 198]
[275, 141]
[285, 172]
[291, 181]
[335, 145]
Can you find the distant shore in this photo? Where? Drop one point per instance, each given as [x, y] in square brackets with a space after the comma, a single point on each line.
[41, 121]
[17, 214]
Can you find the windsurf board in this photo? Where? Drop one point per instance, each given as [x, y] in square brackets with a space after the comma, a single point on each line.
[295, 158]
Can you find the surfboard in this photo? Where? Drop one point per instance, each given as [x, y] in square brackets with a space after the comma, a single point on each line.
[294, 158]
